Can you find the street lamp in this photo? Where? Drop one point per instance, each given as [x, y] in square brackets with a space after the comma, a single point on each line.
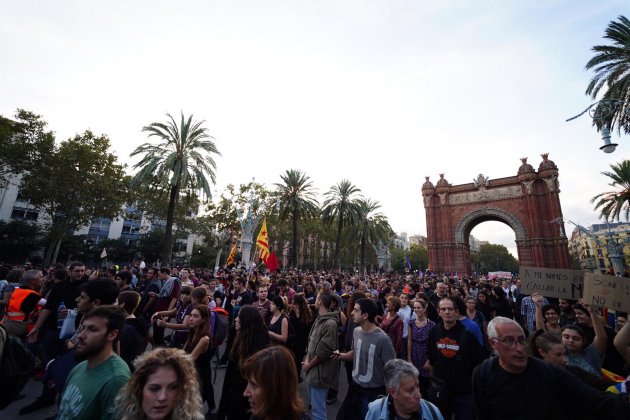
[601, 112]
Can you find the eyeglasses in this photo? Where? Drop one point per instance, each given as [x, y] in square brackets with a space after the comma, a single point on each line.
[510, 341]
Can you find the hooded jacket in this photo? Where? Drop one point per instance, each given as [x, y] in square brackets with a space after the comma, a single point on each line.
[322, 341]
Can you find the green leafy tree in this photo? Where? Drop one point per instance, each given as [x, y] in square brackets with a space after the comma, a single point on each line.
[18, 240]
[297, 201]
[372, 227]
[397, 259]
[182, 159]
[24, 142]
[419, 256]
[611, 65]
[73, 184]
[340, 207]
[612, 204]
[493, 257]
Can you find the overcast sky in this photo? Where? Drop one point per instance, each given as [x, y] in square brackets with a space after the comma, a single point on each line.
[382, 93]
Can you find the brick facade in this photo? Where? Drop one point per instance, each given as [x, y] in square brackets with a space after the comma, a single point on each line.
[529, 203]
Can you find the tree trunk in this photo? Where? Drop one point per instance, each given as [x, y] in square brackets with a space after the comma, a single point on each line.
[294, 251]
[167, 245]
[362, 252]
[56, 251]
[338, 240]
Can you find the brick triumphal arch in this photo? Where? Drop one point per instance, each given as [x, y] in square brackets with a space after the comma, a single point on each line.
[529, 203]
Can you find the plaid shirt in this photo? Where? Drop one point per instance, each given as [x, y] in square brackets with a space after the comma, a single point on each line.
[528, 310]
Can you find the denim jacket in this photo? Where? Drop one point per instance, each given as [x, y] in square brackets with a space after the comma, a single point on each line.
[377, 410]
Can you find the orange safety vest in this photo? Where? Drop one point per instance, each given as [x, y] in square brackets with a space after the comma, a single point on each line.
[14, 312]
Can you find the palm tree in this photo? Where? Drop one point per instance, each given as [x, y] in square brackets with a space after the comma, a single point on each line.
[372, 227]
[612, 68]
[181, 160]
[296, 199]
[340, 205]
[612, 203]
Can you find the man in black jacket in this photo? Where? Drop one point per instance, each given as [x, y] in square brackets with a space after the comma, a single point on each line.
[453, 353]
[514, 386]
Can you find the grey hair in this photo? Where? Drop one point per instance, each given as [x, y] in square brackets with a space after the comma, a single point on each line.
[395, 369]
[500, 320]
[29, 276]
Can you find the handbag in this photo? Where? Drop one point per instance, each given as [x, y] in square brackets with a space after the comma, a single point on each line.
[437, 392]
[67, 329]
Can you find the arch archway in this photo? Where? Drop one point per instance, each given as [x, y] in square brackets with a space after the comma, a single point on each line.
[529, 203]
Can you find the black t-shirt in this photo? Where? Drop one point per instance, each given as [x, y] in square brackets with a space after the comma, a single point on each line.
[541, 392]
[454, 354]
[66, 292]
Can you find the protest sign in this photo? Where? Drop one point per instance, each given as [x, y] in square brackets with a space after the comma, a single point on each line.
[608, 291]
[551, 282]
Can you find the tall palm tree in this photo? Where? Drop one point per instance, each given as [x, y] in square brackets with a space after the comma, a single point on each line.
[612, 203]
[611, 64]
[181, 160]
[372, 226]
[296, 198]
[340, 206]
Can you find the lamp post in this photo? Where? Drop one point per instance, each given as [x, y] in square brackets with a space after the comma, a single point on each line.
[614, 247]
[601, 113]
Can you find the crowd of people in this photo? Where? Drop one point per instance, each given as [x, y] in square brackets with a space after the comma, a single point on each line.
[139, 343]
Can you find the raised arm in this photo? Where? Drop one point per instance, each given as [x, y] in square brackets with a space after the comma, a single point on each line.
[622, 342]
[600, 333]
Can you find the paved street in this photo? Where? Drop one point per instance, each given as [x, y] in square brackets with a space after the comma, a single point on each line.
[33, 389]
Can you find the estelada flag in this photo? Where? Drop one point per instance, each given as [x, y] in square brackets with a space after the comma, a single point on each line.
[272, 262]
[262, 242]
[230, 258]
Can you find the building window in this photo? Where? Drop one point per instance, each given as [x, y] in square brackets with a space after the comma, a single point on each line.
[21, 214]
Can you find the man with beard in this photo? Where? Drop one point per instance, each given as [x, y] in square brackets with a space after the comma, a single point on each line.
[93, 384]
[102, 291]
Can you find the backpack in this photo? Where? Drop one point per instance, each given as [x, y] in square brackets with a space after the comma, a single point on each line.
[16, 365]
[219, 324]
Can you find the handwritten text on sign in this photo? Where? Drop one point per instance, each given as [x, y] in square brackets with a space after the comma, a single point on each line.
[609, 291]
[551, 282]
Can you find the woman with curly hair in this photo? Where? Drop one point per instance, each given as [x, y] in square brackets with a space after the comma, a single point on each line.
[251, 336]
[199, 347]
[272, 385]
[163, 386]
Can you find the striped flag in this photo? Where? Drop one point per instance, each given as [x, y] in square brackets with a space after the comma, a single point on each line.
[230, 258]
[262, 241]
[408, 260]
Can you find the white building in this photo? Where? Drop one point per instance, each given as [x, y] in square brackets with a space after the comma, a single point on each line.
[15, 207]
[401, 241]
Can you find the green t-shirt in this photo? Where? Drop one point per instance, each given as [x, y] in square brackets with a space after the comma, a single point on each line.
[89, 393]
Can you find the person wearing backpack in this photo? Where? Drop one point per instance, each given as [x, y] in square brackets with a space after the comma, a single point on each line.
[453, 352]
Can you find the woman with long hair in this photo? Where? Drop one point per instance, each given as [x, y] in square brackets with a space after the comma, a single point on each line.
[392, 323]
[417, 342]
[199, 347]
[278, 325]
[163, 386]
[272, 385]
[251, 336]
[484, 305]
[181, 312]
[302, 320]
[579, 353]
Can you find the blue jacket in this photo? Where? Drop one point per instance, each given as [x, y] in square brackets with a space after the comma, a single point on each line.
[377, 410]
